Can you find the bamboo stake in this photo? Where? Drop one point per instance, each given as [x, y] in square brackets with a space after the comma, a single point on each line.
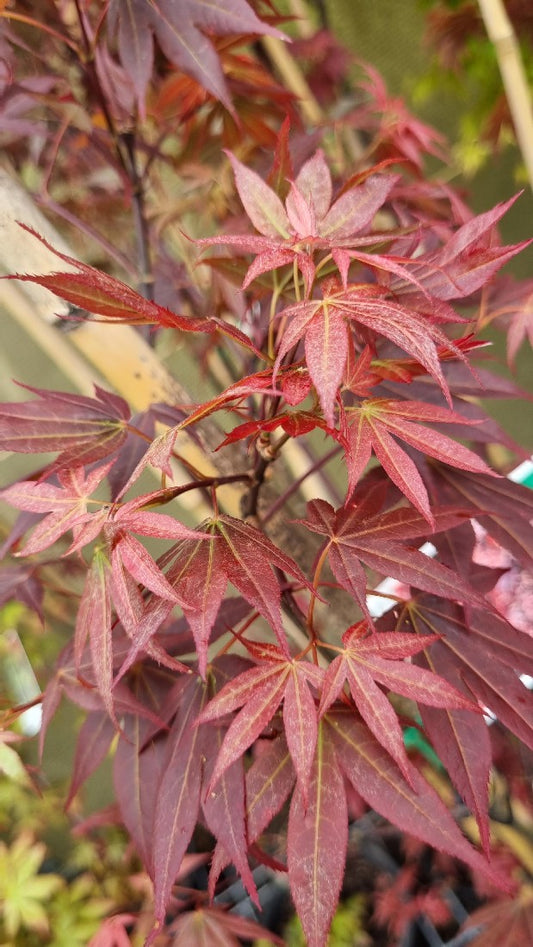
[55, 346]
[293, 78]
[501, 33]
[93, 351]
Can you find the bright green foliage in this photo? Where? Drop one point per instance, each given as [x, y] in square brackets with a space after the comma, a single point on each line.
[347, 929]
[76, 913]
[24, 892]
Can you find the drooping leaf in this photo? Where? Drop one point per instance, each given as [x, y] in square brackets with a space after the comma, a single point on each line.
[137, 772]
[178, 797]
[504, 508]
[94, 291]
[83, 429]
[316, 843]
[480, 653]
[182, 30]
[246, 558]
[223, 807]
[94, 623]
[259, 691]
[418, 810]
[22, 583]
[461, 741]
[378, 539]
[269, 781]
[92, 746]
[380, 658]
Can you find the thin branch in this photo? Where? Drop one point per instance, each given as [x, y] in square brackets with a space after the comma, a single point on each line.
[146, 279]
[501, 33]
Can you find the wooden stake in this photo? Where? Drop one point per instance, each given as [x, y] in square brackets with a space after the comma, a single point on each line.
[501, 33]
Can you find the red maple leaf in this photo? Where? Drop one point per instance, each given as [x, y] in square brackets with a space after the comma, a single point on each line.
[325, 325]
[227, 550]
[308, 220]
[66, 506]
[480, 653]
[370, 426]
[182, 29]
[82, 429]
[364, 533]
[259, 691]
[366, 659]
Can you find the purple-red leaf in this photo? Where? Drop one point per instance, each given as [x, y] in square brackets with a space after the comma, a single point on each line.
[482, 655]
[223, 807]
[374, 420]
[260, 691]
[94, 622]
[417, 810]
[268, 784]
[380, 658]
[376, 539]
[178, 798]
[182, 28]
[316, 844]
[83, 429]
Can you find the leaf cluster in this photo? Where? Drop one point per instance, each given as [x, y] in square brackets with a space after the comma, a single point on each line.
[232, 663]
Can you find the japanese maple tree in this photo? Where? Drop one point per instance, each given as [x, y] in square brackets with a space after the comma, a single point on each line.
[235, 667]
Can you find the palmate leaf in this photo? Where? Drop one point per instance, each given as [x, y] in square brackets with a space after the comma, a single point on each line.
[65, 505]
[308, 213]
[308, 217]
[466, 262]
[294, 423]
[356, 535]
[325, 323]
[417, 810]
[239, 553]
[216, 927]
[369, 427]
[380, 658]
[226, 550]
[316, 842]
[181, 28]
[503, 923]
[83, 429]
[259, 691]
[504, 508]
[480, 653]
[317, 831]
